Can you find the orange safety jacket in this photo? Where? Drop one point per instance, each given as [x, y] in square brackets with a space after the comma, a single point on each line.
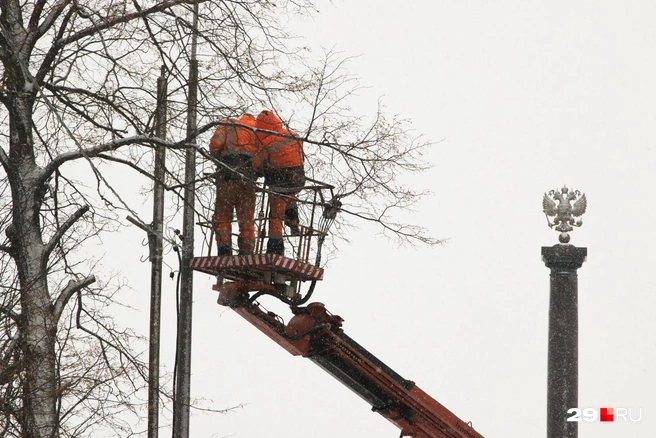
[279, 152]
[237, 138]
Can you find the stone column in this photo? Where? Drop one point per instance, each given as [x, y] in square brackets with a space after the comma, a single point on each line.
[562, 381]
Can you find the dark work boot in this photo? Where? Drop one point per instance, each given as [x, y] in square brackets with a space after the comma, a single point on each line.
[246, 246]
[223, 249]
[275, 245]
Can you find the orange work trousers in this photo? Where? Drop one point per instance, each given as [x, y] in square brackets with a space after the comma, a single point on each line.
[237, 196]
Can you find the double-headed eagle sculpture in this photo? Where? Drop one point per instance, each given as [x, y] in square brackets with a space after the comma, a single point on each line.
[564, 211]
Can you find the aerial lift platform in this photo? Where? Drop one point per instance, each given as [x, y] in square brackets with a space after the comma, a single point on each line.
[315, 333]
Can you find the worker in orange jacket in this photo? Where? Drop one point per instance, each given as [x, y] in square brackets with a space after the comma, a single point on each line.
[238, 150]
[284, 174]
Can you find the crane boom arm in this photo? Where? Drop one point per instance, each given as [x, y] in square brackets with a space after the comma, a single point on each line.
[316, 334]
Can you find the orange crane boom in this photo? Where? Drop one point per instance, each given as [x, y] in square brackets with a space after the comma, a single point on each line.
[316, 334]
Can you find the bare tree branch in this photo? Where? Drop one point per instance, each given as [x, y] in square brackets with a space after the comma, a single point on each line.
[96, 150]
[37, 30]
[110, 22]
[71, 288]
[63, 228]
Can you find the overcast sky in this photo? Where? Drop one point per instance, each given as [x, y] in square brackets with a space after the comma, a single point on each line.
[520, 97]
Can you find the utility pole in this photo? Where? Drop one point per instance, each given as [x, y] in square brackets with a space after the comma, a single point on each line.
[156, 249]
[183, 344]
[563, 260]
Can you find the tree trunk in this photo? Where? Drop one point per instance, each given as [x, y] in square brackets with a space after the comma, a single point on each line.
[38, 326]
[39, 391]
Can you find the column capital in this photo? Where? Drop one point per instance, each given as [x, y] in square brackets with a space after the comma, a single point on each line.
[566, 257]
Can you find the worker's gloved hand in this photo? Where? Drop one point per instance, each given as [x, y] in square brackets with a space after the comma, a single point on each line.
[291, 219]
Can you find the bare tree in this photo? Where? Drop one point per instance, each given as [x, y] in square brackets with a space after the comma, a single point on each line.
[77, 94]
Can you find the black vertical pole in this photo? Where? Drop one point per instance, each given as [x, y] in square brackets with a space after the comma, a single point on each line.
[562, 376]
[155, 241]
[183, 347]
